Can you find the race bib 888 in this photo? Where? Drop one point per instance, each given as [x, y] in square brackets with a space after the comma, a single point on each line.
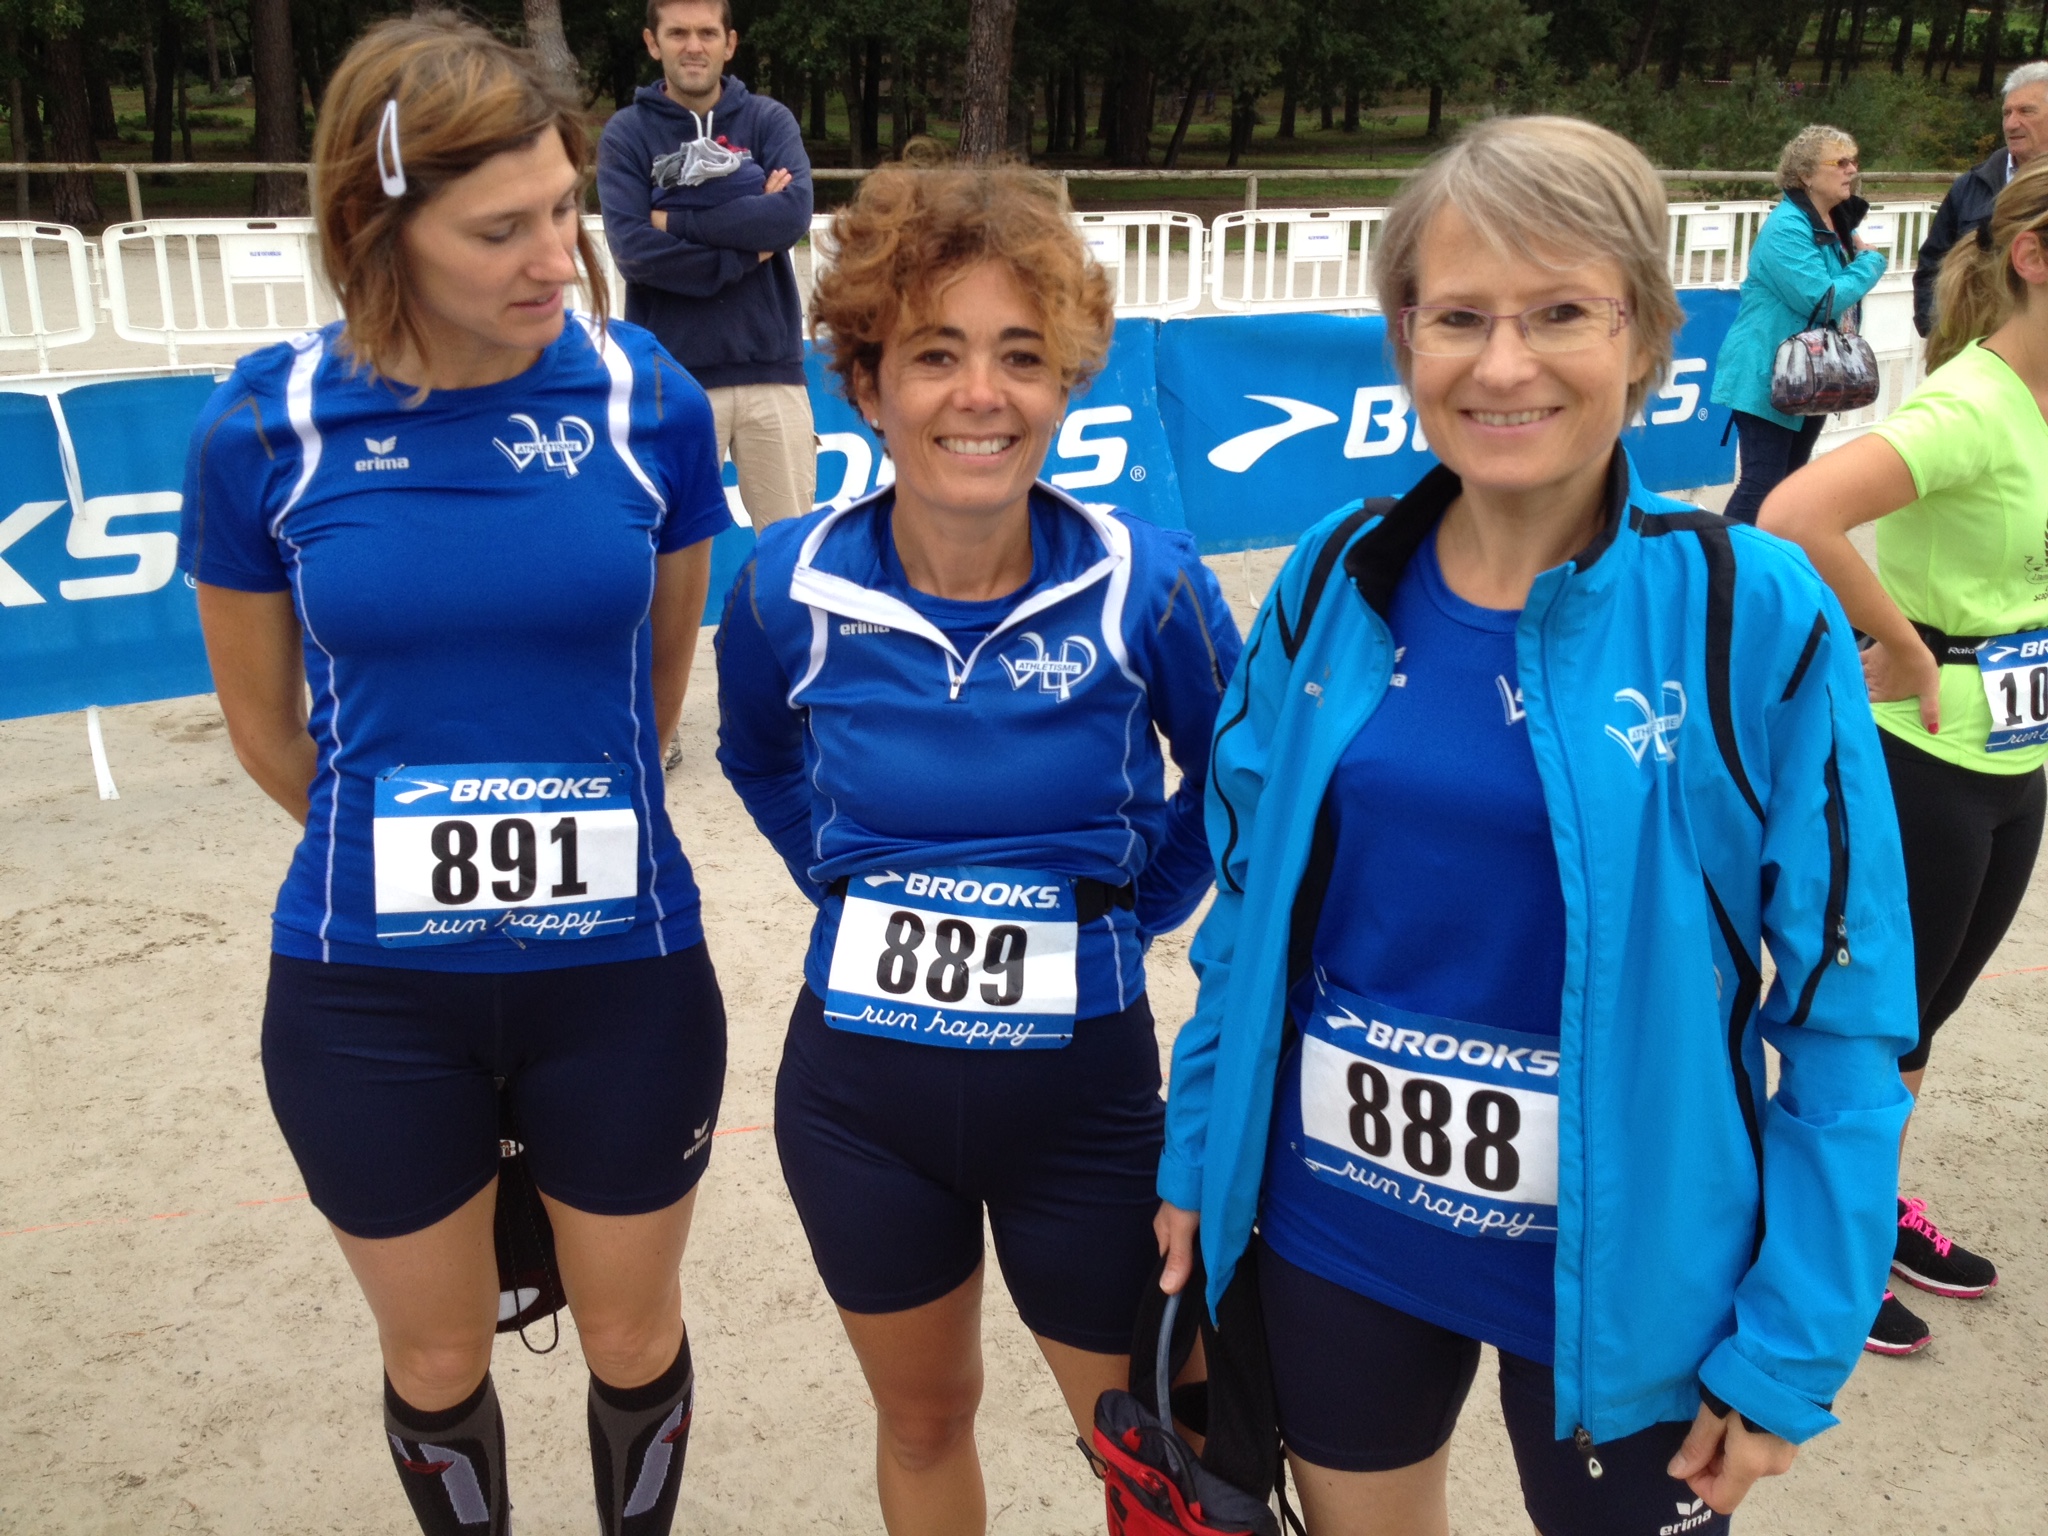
[1447, 1122]
[533, 850]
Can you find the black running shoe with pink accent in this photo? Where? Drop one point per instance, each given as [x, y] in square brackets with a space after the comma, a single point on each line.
[1926, 1258]
[1896, 1331]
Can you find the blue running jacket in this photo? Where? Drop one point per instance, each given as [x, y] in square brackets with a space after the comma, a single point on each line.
[1714, 783]
[862, 736]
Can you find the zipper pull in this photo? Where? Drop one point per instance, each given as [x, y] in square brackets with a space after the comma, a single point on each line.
[1582, 1439]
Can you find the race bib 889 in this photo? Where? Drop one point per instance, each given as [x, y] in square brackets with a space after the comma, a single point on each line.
[1450, 1123]
[971, 956]
[532, 850]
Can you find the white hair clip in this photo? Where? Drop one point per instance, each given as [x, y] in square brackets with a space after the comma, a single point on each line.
[391, 169]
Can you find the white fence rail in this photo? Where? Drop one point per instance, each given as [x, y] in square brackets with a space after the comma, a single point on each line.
[1293, 259]
[46, 289]
[173, 282]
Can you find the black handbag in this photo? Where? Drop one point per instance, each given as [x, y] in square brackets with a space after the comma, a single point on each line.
[1824, 368]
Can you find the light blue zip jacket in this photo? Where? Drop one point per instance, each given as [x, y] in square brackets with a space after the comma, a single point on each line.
[1713, 778]
[1797, 260]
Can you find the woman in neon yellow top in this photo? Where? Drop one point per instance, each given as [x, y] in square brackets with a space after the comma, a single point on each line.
[1958, 615]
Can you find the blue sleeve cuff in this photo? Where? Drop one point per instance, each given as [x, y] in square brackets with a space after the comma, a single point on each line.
[1179, 1183]
[1761, 1398]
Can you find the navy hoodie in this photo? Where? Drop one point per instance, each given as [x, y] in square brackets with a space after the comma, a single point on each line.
[700, 285]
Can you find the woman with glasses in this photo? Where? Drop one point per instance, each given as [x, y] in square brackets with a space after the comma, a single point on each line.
[1505, 797]
[1956, 480]
[1806, 263]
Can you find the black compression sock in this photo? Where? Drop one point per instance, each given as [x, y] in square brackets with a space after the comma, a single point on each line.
[452, 1463]
[638, 1436]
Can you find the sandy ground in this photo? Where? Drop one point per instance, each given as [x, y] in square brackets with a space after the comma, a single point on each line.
[183, 1350]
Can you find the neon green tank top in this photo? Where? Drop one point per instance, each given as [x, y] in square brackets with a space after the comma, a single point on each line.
[1970, 557]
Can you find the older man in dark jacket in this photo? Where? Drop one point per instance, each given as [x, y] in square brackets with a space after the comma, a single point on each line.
[1969, 201]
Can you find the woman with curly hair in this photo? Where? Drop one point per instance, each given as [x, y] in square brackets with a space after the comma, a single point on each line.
[942, 705]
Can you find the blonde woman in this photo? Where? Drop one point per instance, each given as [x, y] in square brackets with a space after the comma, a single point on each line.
[474, 526]
[1807, 261]
[1507, 794]
[1957, 481]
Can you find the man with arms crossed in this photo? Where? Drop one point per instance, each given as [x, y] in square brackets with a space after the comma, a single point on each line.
[1969, 201]
[704, 186]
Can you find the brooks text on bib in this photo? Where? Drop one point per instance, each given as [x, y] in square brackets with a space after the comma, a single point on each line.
[533, 850]
[969, 956]
[1447, 1122]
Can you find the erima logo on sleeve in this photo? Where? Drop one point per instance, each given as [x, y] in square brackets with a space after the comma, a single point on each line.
[383, 455]
[570, 445]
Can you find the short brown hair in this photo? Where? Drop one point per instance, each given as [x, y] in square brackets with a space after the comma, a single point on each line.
[1536, 185]
[463, 96]
[656, 7]
[908, 231]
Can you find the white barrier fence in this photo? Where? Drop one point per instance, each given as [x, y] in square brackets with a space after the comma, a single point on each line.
[46, 289]
[175, 283]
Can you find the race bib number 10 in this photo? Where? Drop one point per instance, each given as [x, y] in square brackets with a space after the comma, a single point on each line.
[971, 957]
[531, 850]
[2014, 669]
[1450, 1123]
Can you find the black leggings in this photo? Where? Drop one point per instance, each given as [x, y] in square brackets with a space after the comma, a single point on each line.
[1970, 840]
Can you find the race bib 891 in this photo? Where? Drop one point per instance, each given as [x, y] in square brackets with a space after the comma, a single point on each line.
[1450, 1123]
[970, 956]
[531, 850]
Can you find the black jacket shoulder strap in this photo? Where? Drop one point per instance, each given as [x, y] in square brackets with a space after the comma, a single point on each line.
[1292, 636]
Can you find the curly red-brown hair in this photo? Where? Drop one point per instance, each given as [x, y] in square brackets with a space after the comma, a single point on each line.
[910, 232]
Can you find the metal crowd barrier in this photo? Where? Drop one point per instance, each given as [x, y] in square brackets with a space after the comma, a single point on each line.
[1292, 259]
[46, 289]
[214, 281]
[1153, 258]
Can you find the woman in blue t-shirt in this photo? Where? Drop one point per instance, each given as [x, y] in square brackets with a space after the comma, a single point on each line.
[1517, 774]
[473, 527]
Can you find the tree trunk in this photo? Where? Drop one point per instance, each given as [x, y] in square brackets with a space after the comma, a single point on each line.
[1645, 39]
[17, 115]
[1352, 104]
[1244, 107]
[899, 103]
[1056, 112]
[851, 91]
[920, 100]
[1902, 45]
[185, 118]
[871, 104]
[147, 50]
[1937, 37]
[274, 88]
[1180, 127]
[212, 53]
[70, 125]
[1290, 94]
[985, 109]
[1854, 56]
[168, 49]
[818, 133]
[1077, 130]
[1329, 105]
[2041, 32]
[1133, 146]
[101, 91]
[1674, 55]
[1824, 48]
[1436, 111]
[545, 38]
[1994, 37]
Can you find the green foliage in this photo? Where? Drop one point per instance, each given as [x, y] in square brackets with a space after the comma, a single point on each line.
[1898, 121]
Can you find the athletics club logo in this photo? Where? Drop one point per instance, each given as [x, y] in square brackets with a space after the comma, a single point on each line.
[1056, 673]
[1654, 730]
[569, 446]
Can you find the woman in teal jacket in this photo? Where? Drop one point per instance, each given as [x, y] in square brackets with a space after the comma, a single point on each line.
[1515, 777]
[1806, 252]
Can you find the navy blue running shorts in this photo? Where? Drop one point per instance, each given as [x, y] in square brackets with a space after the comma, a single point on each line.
[384, 1083]
[1364, 1387]
[891, 1150]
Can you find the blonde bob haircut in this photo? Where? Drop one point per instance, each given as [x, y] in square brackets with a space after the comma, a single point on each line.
[1804, 151]
[1978, 288]
[909, 232]
[462, 97]
[1553, 191]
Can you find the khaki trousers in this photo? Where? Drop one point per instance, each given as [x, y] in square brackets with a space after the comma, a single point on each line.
[765, 429]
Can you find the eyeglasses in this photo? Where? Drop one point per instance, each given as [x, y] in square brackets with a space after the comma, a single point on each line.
[1562, 325]
[1847, 163]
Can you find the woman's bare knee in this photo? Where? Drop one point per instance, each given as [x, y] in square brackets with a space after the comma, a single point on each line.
[919, 1440]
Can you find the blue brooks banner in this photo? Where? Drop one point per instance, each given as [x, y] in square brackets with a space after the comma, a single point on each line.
[1244, 429]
